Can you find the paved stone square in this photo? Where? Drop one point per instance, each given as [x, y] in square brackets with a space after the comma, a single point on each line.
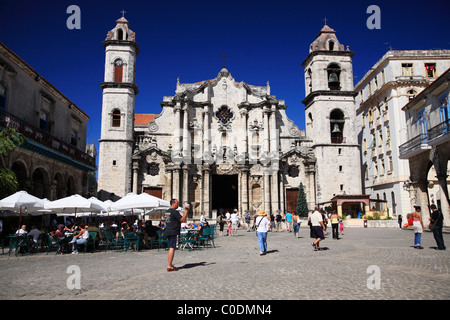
[351, 268]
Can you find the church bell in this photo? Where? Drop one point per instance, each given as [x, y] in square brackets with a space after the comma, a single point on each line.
[336, 128]
[333, 78]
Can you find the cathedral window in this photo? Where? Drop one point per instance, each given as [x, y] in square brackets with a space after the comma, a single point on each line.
[334, 73]
[224, 115]
[293, 171]
[120, 34]
[118, 70]
[153, 169]
[116, 117]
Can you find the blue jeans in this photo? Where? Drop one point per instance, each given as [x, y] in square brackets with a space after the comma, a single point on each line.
[417, 237]
[76, 243]
[262, 240]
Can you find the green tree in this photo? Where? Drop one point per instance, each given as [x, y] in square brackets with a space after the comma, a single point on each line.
[10, 139]
[302, 205]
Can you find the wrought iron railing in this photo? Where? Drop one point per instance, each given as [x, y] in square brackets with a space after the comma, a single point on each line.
[44, 138]
[441, 129]
[414, 143]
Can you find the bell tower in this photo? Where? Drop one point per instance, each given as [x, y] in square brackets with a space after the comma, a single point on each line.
[117, 128]
[330, 115]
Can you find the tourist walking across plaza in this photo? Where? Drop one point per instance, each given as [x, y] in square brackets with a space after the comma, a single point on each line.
[318, 228]
[335, 225]
[262, 224]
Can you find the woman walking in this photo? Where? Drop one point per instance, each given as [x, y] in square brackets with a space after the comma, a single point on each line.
[335, 225]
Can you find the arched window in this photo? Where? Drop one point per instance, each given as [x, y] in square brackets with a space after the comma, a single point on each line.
[411, 94]
[331, 45]
[116, 118]
[334, 75]
[120, 34]
[337, 126]
[118, 70]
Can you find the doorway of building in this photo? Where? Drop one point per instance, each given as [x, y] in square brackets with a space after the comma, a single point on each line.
[224, 192]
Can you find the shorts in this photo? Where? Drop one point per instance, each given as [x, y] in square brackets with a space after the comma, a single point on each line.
[318, 232]
[172, 241]
[234, 225]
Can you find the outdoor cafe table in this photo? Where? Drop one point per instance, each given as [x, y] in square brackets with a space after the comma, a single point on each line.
[189, 234]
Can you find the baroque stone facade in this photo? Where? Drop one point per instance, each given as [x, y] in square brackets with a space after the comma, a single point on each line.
[216, 144]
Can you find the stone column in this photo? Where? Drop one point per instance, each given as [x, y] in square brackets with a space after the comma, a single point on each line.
[206, 132]
[266, 192]
[185, 184]
[206, 191]
[244, 186]
[266, 147]
[186, 137]
[421, 198]
[176, 183]
[177, 133]
[135, 176]
[244, 135]
[274, 195]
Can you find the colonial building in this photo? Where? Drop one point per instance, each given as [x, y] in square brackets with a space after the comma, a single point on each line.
[54, 162]
[389, 85]
[222, 143]
[427, 148]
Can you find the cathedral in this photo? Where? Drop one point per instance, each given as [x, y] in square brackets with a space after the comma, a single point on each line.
[220, 143]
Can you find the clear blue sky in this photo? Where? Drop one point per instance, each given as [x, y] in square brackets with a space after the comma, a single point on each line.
[263, 40]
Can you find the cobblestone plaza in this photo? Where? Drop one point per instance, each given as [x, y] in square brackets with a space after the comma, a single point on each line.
[365, 264]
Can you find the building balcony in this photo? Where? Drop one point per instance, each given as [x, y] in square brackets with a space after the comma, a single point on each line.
[42, 142]
[439, 134]
[414, 146]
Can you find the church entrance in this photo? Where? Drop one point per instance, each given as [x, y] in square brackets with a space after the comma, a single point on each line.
[224, 192]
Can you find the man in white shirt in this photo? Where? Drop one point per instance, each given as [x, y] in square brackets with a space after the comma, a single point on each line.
[262, 224]
[22, 231]
[318, 228]
[234, 222]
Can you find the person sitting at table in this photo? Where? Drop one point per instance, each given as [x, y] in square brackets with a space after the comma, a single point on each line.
[94, 228]
[125, 228]
[35, 233]
[184, 225]
[22, 231]
[162, 225]
[80, 238]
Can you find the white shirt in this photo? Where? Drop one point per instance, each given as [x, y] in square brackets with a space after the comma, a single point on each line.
[263, 224]
[316, 218]
[234, 217]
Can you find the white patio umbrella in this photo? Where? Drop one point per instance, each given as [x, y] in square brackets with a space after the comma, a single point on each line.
[73, 204]
[139, 201]
[19, 201]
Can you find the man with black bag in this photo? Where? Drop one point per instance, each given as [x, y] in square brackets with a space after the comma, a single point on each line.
[436, 223]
